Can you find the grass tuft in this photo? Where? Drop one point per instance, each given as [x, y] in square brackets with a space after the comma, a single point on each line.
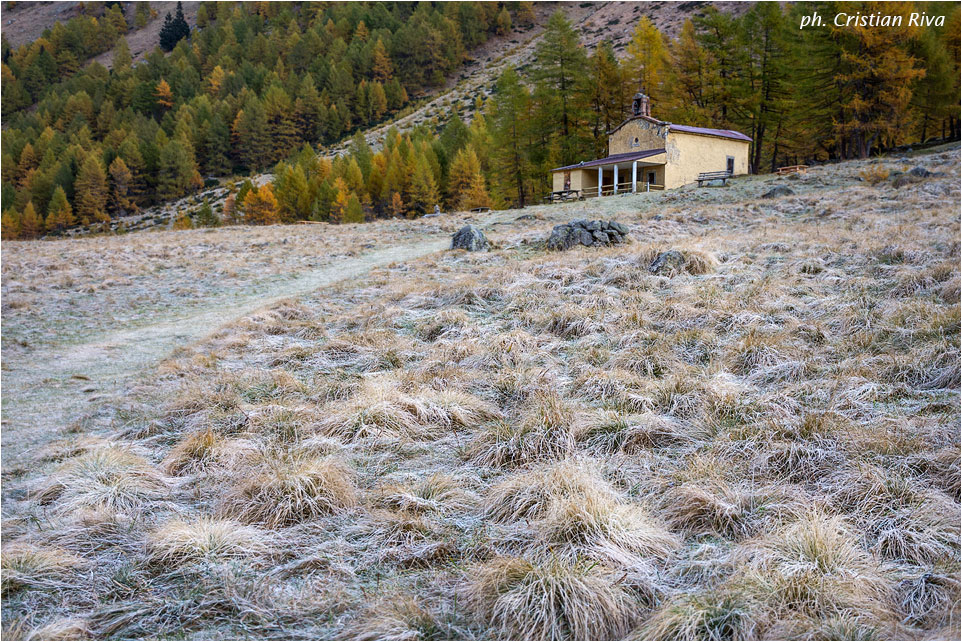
[557, 600]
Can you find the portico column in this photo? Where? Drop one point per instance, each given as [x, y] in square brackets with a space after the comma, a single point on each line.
[616, 178]
[600, 178]
[634, 177]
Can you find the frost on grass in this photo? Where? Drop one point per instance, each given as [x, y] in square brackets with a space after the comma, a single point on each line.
[758, 440]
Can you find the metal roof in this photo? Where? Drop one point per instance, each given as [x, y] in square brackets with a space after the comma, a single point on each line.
[688, 129]
[611, 160]
[724, 133]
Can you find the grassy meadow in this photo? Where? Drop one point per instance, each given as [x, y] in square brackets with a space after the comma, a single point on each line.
[525, 444]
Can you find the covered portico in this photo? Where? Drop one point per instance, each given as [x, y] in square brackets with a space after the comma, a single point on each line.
[640, 171]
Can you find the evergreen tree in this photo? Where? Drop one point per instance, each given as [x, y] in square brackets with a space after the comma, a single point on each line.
[120, 181]
[121, 59]
[178, 170]
[174, 30]
[91, 192]
[59, 212]
[509, 119]
[559, 63]
[206, 216]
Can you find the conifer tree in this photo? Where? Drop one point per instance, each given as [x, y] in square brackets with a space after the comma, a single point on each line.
[342, 198]
[164, 95]
[174, 30]
[31, 225]
[424, 188]
[121, 59]
[396, 207]
[381, 66]
[59, 212]
[477, 193]
[503, 22]
[120, 181]
[10, 225]
[260, 206]
[509, 119]
[647, 55]
[463, 170]
[879, 75]
[229, 210]
[559, 63]
[91, 192]
[206, 216]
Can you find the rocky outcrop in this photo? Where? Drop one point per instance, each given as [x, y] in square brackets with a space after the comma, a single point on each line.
[586, 233]
[777, 192]
[469, 238]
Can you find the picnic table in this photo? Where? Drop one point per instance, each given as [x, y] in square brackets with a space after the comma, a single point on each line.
[791, 169]
[564, 195]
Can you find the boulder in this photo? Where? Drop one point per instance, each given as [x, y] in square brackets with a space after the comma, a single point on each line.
[777, 192]
[921, 172]
[668, 263]
[469, 238]
[587, 233]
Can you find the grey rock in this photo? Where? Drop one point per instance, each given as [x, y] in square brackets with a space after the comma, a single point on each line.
[587, 233]
[667, 263]
[778, 191]
[563, 237]
[469, 238]
[921, 172]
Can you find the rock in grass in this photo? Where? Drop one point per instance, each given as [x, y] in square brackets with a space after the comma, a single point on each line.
[777, 192]
[668, 263]
[469, 238]
[587, 233]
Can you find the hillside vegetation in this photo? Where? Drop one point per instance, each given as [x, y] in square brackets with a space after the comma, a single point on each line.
[251, 84]
[761, 442]
[263, 86]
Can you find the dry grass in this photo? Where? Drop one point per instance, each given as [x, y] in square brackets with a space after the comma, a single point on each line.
[760, 443]
[181, 541]
[556, 600]
[112, 477]
[280, 488]
[33, 567]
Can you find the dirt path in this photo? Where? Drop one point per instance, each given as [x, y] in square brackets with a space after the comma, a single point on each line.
[43, 394]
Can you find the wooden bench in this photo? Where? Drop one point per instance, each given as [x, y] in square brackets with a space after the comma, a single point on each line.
[791, 169]
[564, 195]
[480, 210]
[705, 177]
